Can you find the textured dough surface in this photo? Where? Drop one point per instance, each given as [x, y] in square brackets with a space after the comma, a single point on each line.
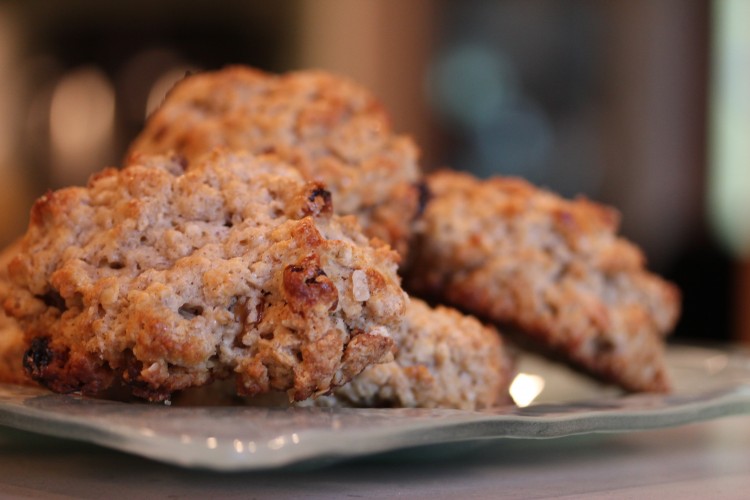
[331, 129]
[444, 359]
[152, 279]
[551, 269]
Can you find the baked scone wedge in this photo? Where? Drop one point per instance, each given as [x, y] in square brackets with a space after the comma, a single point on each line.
[553, 271]
[331, 129]
[151, 280]
[444, 359]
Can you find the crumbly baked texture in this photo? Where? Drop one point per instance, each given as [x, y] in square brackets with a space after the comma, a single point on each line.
[331, 129]
[552, 270]
[11, 335]
[11, 352]
[151, 280]
[444, 359]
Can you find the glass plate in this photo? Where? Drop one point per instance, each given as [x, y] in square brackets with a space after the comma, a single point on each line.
[710, 383]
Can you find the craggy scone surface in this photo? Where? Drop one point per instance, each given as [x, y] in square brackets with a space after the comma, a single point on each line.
[444, 359]
[331, 129]
[151, 280]
[553, 270]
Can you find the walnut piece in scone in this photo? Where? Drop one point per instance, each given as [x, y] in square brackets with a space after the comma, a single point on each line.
[550, 269]
[444, 359]
[151, 279]
[328, 127]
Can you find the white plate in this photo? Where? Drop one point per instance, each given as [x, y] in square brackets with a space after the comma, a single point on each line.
[709, 383]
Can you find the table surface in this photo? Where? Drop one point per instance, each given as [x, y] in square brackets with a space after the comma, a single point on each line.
[704, 460]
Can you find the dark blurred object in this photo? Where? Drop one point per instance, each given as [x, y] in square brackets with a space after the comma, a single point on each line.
[707, 277]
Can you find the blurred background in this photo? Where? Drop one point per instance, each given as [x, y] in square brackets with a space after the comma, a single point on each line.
[643, 104]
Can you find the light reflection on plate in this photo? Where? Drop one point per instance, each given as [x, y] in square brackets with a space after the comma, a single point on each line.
[709, 384]
[525, 388]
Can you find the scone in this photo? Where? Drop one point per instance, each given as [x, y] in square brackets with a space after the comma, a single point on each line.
[551, 270]
[331, 129]
[11, 336]
[444, 359]
[151, 280]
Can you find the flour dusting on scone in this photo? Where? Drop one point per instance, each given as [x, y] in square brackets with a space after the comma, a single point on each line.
[151, 280]
[331, 129]
[554, 270]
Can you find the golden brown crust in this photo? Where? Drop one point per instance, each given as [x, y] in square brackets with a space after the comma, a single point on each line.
[328, 127]
[550, 268]
[151, 280]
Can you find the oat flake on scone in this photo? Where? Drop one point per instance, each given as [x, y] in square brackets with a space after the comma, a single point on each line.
[152, 279]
